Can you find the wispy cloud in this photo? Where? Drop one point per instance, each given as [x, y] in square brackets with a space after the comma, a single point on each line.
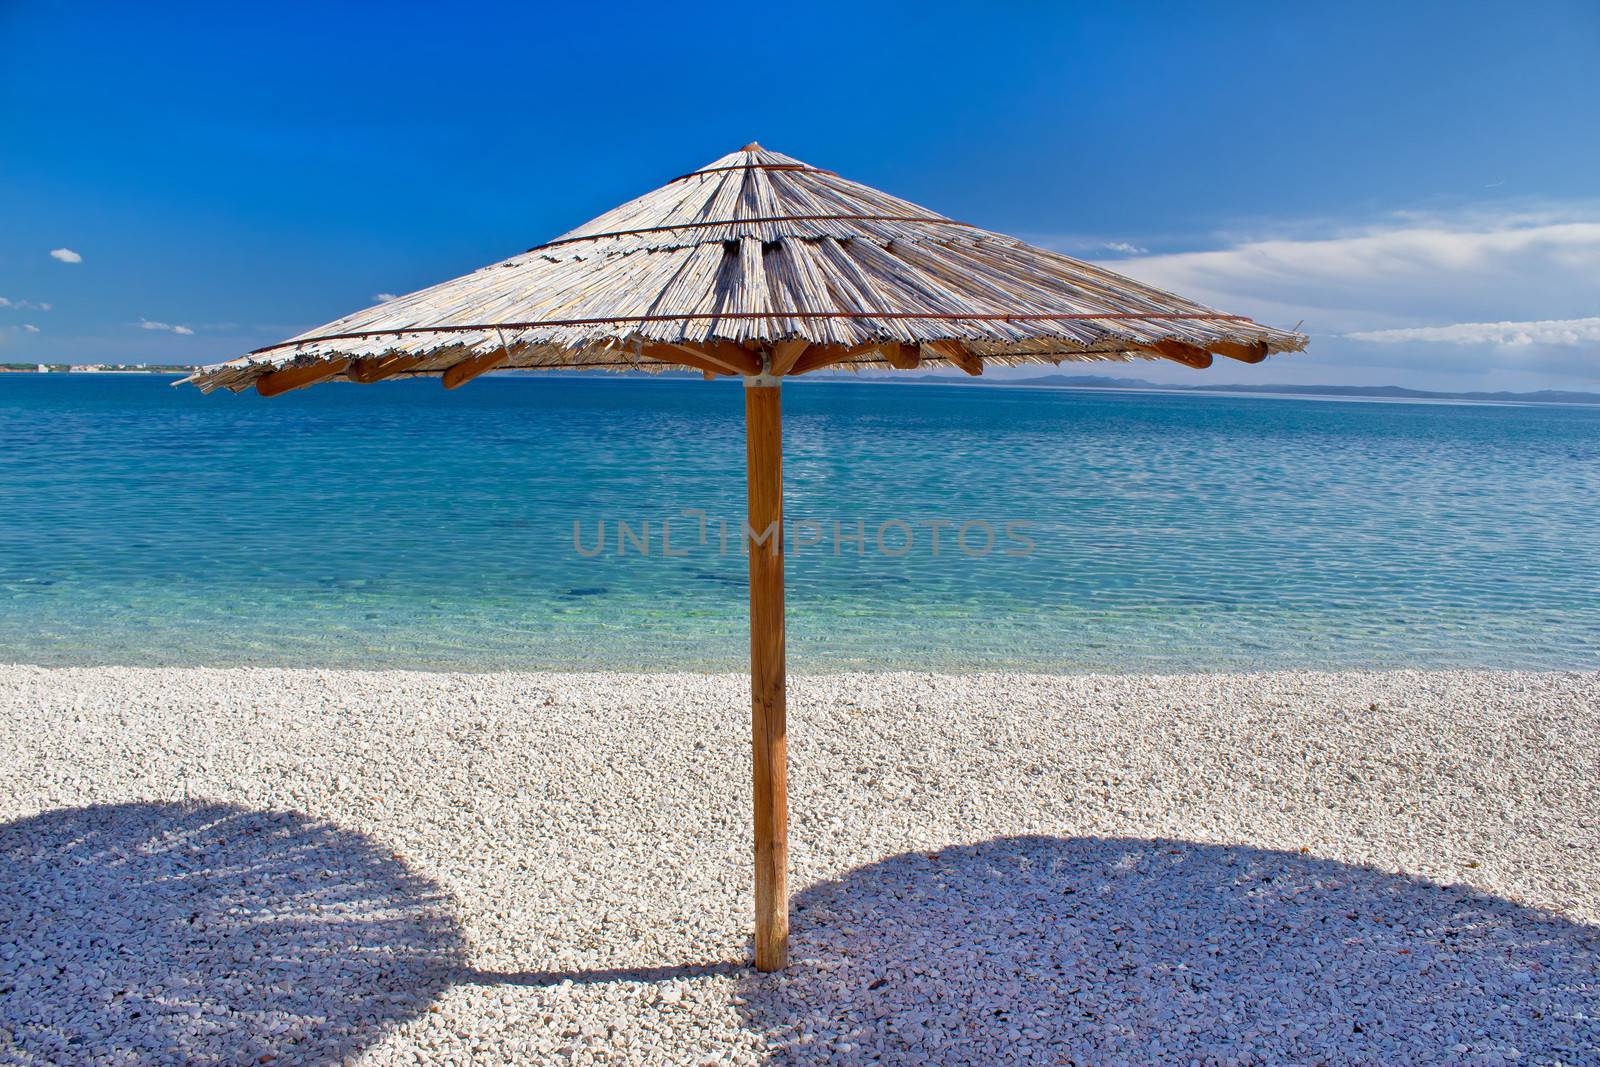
[23, 305]
[8, 332]
[1410, 275]
[147, 324]
[1513, 287]
[383, 298]
[1124, 247]
[1544, 332]
[65, 255]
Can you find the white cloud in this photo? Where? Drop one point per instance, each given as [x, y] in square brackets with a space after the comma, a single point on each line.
[147, 324]
[1515, 290]
[23, 305]
[1545, 332]
[1125, 248]
[1403, 276]
[65, 255]
[30, 327]
[383, 298]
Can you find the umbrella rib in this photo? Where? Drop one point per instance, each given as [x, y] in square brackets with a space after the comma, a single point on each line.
[755, 166]
[650, 366]
[953, 316]
[933, 219]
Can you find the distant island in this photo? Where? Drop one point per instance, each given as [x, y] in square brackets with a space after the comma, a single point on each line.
[1101, 381]
[1369, 392]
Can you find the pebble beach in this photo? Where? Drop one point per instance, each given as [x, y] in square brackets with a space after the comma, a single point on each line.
[308, 866]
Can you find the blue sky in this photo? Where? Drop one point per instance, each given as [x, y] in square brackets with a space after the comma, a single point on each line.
[1417, 182]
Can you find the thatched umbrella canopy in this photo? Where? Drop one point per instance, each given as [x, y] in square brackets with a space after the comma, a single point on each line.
[761, 266]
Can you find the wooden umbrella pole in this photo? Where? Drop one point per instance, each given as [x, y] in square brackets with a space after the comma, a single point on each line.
[768, 708]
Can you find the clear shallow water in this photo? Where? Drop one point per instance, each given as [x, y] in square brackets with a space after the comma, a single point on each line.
[398, 525]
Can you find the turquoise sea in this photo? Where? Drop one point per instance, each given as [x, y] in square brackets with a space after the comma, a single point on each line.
[399, 525]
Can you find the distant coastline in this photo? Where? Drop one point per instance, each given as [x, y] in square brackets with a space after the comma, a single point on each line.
[1058, 381]
[1348, 392]
[1367, 392]
[94, 368]
[1100, 381]
[1138, 384]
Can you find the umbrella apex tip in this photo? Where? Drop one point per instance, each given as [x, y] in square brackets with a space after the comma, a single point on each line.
[753, 146]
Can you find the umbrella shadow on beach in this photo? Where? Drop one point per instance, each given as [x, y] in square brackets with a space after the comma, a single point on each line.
[210, 933]
[1088, 950]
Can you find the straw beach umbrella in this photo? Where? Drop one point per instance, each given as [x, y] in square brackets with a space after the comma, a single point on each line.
[760, 266]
